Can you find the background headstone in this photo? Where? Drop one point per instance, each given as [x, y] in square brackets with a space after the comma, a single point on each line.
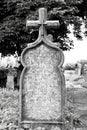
[10, 82]
[78, 69]
[10, 79]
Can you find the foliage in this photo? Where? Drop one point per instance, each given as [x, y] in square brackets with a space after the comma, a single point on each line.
[13, 13]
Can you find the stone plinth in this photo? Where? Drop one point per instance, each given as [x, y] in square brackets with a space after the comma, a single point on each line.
[10, 82]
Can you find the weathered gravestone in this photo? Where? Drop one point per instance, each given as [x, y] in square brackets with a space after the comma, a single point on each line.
[10, 79]
[42, 82]
[78, 69]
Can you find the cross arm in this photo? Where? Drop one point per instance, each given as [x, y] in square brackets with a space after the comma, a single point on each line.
[33, 24]
[52, 24]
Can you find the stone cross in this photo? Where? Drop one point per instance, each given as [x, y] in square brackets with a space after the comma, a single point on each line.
[42, 23]
[42, 84]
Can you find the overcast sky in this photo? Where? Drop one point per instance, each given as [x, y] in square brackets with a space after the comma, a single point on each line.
[79, 52]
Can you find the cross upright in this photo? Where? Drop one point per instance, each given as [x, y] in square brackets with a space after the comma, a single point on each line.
[42, 23]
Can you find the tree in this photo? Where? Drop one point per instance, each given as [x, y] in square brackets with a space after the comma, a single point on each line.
[14, 36]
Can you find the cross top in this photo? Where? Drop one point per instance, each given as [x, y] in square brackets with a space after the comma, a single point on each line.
[42, 23]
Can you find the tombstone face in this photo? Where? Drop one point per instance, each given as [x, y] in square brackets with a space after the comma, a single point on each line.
[41, 84]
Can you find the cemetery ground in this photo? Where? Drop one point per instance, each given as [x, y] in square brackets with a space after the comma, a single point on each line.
[75, 110]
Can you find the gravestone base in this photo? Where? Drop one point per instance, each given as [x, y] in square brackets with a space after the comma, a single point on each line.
[42, 127]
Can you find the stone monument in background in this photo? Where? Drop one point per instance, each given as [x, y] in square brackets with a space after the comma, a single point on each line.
[10, 78]
[42, 84]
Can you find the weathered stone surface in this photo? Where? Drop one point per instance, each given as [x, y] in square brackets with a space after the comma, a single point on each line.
[44, 127]
[42, 84]
[10, 79]
[10, 82]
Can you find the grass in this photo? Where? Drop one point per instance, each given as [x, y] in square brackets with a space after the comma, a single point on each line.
[75, 111]
[77, 99]
[9, 111]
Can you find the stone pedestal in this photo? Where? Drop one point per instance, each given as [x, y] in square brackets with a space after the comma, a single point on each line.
[10, 79]
[10, 82]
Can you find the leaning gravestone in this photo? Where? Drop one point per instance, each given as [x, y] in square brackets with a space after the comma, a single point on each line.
[42, 84]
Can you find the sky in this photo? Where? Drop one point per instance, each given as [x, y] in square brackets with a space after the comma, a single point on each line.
[79, 52]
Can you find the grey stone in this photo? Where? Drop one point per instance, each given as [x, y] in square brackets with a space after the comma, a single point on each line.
[42, 81]
[78, 69]
[10, 82]
[10, 79]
